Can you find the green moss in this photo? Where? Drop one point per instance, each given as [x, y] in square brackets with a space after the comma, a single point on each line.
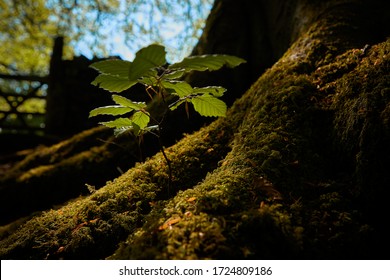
[52, 175]
[57, 152]
[118, 207]
[210, 222]
[231, 210]
[265, 182]
[361, 103]
[280, 139]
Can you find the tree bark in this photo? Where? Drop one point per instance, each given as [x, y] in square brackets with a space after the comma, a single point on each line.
[297, 169]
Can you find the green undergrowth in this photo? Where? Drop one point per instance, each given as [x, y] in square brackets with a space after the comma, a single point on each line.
[286, 174]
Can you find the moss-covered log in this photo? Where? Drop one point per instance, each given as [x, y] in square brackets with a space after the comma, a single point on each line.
[296, 170]
[51, 175]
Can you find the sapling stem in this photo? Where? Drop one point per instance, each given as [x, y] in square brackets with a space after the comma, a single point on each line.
[166, 159]
[158, 135]
[161, 80]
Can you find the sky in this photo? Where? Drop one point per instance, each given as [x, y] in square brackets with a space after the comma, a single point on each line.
[170, 32]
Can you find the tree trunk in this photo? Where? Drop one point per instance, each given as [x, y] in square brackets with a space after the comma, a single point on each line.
[297, 169]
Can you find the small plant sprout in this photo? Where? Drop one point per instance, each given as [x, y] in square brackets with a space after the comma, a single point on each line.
[162, 81]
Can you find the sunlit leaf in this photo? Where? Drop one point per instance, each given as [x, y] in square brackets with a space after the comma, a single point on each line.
[123, 101]
[151, 128]
[113, 83]
[215, 91]
[207, 62]
[173, 75]
[141, 119]
[145, 59]
[149, 78]
[119, 122]
[120, 130]
[113, 67]
[209, 106]
[176, 104]
[110, 110]
[179, 88]
[148, 68]
[136, 129]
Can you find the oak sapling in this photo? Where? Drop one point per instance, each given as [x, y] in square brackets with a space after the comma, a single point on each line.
[161, 80]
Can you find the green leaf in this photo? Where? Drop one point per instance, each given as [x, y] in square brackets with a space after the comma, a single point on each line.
[207, 62]
[119, 122]
[141, 119]
[110, 110]
[181, 88]
[113, 83]
[113, 67]
[151, 128]
[215, 91]
[136, 130]
[176, 104]
[120, 130]
[209, 106]
[174, 75]
[149, 78]
[145, 59]
[123, 101]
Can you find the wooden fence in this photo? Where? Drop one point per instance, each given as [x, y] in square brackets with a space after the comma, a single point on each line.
[15, 119]
[12, 118]
[69, 97]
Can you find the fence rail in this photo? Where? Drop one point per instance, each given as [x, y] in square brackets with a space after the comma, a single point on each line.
[31, 78]
[13, 118]
[68, 95]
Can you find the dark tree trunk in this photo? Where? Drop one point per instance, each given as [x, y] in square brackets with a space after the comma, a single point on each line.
[298, 168]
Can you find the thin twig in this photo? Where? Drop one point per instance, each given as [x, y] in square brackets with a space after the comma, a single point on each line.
[167, 161]
[158, 135]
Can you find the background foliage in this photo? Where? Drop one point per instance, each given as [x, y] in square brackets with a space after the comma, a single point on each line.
[91, 28]
[27, 28]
